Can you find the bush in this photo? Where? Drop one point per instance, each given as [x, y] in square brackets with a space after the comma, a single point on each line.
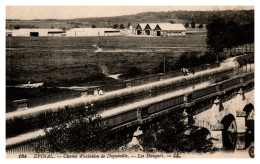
[160, 67]
[194, 59]
[133, 72]
[171, 135]
[243, 60]
[122, 26]
[188, 59]
[79, 132]
[115, 26]
[192, 24]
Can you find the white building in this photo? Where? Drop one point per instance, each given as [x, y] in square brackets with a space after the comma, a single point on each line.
[37, 32]
[77, 32]
[168, 29]
[160, 29]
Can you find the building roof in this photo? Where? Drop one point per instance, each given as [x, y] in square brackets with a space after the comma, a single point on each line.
[163, 26]
[92, 29]
[151, 25]
[142, 25]
[171, 27]
[35, 30]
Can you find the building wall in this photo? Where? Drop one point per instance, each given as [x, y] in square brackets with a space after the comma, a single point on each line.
[84, 33]
[169, 33]
[90, 33]
[26, 32]
[163, 33]
[142, 32]
[112, 34]
[57, 34]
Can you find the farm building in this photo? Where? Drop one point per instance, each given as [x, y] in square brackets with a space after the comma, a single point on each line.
[77, 32]
[161, 29]
[37, 32]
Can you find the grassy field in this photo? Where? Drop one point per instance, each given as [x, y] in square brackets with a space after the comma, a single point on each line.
[67, 61]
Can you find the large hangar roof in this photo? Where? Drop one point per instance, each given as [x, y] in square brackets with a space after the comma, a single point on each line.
[92, 29]
[171, 27]
[163, 26]
[37, 30]
[152, 25]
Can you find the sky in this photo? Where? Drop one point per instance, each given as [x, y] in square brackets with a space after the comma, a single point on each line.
[69, 12]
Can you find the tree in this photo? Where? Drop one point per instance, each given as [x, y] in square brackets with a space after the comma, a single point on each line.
[216, 34]
[186, 25]
[172, 22]
[222, 33]
[115, 26]
[176, 132]
[93, 26]
[128, 25]
[192, 24]
[17, 27]
[201, 26]
[133, 72]
[121, 26]
[208, 57]
[188, 59]
[160, 67]
[247, 33]
[79, 131]
[232, 35]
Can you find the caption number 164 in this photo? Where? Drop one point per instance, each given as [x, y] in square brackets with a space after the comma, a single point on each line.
[22, 155]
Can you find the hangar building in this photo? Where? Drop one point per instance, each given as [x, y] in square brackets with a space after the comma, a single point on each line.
[160, 29]
[37, 32]
[81, 32]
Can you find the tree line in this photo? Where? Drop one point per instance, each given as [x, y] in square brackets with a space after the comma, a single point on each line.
[200, 17]
[225, 34]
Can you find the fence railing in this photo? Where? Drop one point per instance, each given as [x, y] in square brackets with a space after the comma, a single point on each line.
[150, 79]
[249, 48]
[29, 103]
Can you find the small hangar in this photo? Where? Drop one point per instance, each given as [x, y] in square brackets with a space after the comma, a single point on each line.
[36, 32]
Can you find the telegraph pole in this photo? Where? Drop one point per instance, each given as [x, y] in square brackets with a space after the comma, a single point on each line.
[164, 65]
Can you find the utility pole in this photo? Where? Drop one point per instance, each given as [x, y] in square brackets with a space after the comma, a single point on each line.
[164, 65]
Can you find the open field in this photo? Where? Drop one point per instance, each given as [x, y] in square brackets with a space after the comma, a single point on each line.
[67, 61]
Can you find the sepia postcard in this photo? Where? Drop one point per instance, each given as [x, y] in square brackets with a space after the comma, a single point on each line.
[130, 82]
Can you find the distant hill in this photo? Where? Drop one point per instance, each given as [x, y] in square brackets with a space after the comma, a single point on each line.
[200, 17]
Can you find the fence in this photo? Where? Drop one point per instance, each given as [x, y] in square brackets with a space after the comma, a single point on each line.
[243, 49]
[30, 146]
[10, 107]
[149, 79]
